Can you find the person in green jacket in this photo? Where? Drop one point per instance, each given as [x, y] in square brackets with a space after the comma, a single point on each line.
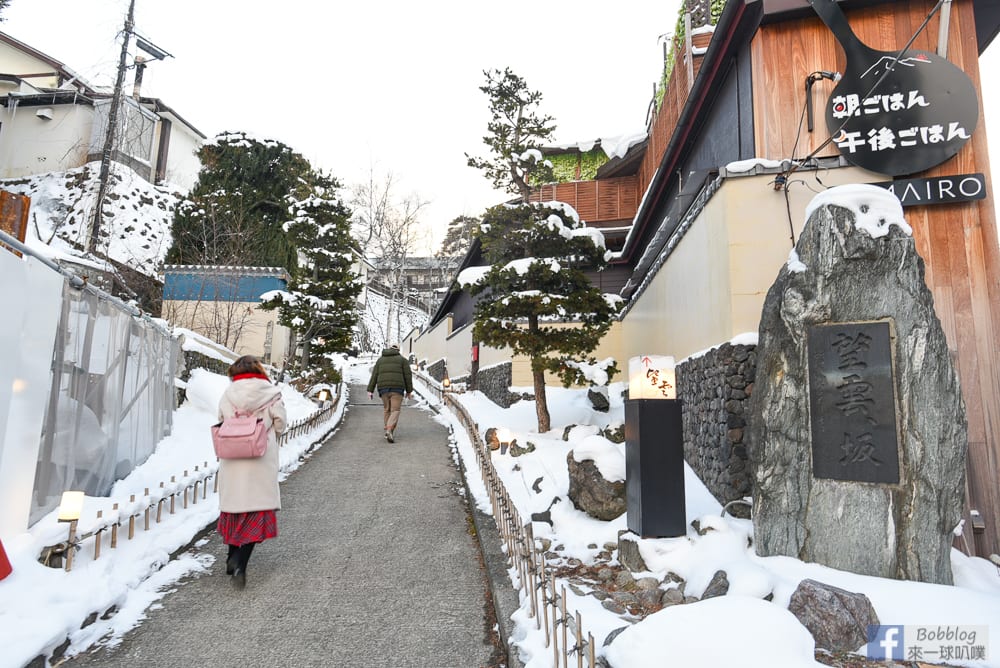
[393, 378]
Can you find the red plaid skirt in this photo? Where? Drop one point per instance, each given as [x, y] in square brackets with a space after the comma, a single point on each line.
[242, 528]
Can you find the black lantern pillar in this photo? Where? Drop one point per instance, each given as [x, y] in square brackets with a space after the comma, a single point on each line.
[654, 452]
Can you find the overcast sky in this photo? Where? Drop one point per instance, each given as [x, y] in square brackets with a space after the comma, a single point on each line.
[388, 85]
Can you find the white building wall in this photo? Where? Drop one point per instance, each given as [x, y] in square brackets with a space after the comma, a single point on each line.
[16, 62]
[182, 159]
[31, 145]
[713, 285]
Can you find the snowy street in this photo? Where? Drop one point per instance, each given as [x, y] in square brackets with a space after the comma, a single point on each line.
[373, 566]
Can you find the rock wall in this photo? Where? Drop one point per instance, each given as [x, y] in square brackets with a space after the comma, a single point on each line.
[714, 390]
[493, 381]
[436, 370]
[191, 359]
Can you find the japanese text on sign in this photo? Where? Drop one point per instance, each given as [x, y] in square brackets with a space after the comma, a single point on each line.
[852, 404]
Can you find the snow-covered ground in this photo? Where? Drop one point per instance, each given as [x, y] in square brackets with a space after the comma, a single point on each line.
[40, 606]
[62, 205]
[740, 628]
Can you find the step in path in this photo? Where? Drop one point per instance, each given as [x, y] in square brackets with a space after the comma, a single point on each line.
[375, 565]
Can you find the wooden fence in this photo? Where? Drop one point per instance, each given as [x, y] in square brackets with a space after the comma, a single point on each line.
[563, 633]
[173, 496]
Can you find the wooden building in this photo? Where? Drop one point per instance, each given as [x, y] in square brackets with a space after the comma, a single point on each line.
[727, 171]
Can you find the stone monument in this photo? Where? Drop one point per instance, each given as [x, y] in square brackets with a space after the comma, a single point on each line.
[857, 432]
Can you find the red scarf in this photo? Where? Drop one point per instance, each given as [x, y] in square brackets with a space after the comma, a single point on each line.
[244, 376]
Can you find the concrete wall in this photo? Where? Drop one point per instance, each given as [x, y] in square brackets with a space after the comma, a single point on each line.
[31, 145]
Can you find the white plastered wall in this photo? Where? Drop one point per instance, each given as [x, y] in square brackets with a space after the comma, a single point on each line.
[712, 286]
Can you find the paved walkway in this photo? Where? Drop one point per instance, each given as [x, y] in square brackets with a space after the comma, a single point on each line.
[374, 566]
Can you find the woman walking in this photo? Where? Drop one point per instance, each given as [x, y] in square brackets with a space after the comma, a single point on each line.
[248, 488]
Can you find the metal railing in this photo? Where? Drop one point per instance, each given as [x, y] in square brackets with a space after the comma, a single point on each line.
[182, 491]
[547, 602]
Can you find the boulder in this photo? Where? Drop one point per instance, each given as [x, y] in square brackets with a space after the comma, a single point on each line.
[516, 449]
[599, 399]
[492, 441]
[719, 586]
[837, 619]
[591, 493]
[628, 552]
[855, 265]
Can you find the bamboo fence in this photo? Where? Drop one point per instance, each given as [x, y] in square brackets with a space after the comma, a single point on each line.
[547, 601]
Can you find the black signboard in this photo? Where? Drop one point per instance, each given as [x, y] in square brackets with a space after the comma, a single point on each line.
[852, 403]
[896, 113]
[938, 189]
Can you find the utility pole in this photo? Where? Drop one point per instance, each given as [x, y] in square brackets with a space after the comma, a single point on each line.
[109, 137]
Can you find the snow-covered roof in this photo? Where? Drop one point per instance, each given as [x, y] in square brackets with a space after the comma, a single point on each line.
[613, 147]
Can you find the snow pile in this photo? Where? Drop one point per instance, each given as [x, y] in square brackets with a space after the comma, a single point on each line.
[739, 628]
[875, 209]
[136, 233]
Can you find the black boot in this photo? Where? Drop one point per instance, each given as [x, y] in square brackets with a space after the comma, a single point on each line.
[242, 557]
[231, 560]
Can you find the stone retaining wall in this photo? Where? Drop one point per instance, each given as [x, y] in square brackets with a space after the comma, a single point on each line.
[436, 370]
[494, 381]
[715, 390]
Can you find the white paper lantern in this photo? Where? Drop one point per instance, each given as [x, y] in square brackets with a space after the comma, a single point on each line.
[652, 377]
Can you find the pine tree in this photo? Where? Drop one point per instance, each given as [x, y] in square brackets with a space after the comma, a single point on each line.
[235, 211]
[457, 239]
[540, 303]
[320, 305]
[516, 132]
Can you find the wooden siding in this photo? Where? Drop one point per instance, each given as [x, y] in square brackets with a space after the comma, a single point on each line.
[958, 242]
[595, 201]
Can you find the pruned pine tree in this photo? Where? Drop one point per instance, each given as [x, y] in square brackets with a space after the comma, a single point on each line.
[534, 296]
[235, 211]
[458, 238]
[516, 132]
[320, 305]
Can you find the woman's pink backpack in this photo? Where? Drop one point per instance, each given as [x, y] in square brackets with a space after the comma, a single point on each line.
[242, 436]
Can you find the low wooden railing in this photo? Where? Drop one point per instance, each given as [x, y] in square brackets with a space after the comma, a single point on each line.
[547, 605]
[170, 497]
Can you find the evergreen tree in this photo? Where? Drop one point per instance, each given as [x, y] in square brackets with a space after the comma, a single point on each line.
[534, 283]
[516, 132]
[235, 211]
[459, 236]
[320, 304]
